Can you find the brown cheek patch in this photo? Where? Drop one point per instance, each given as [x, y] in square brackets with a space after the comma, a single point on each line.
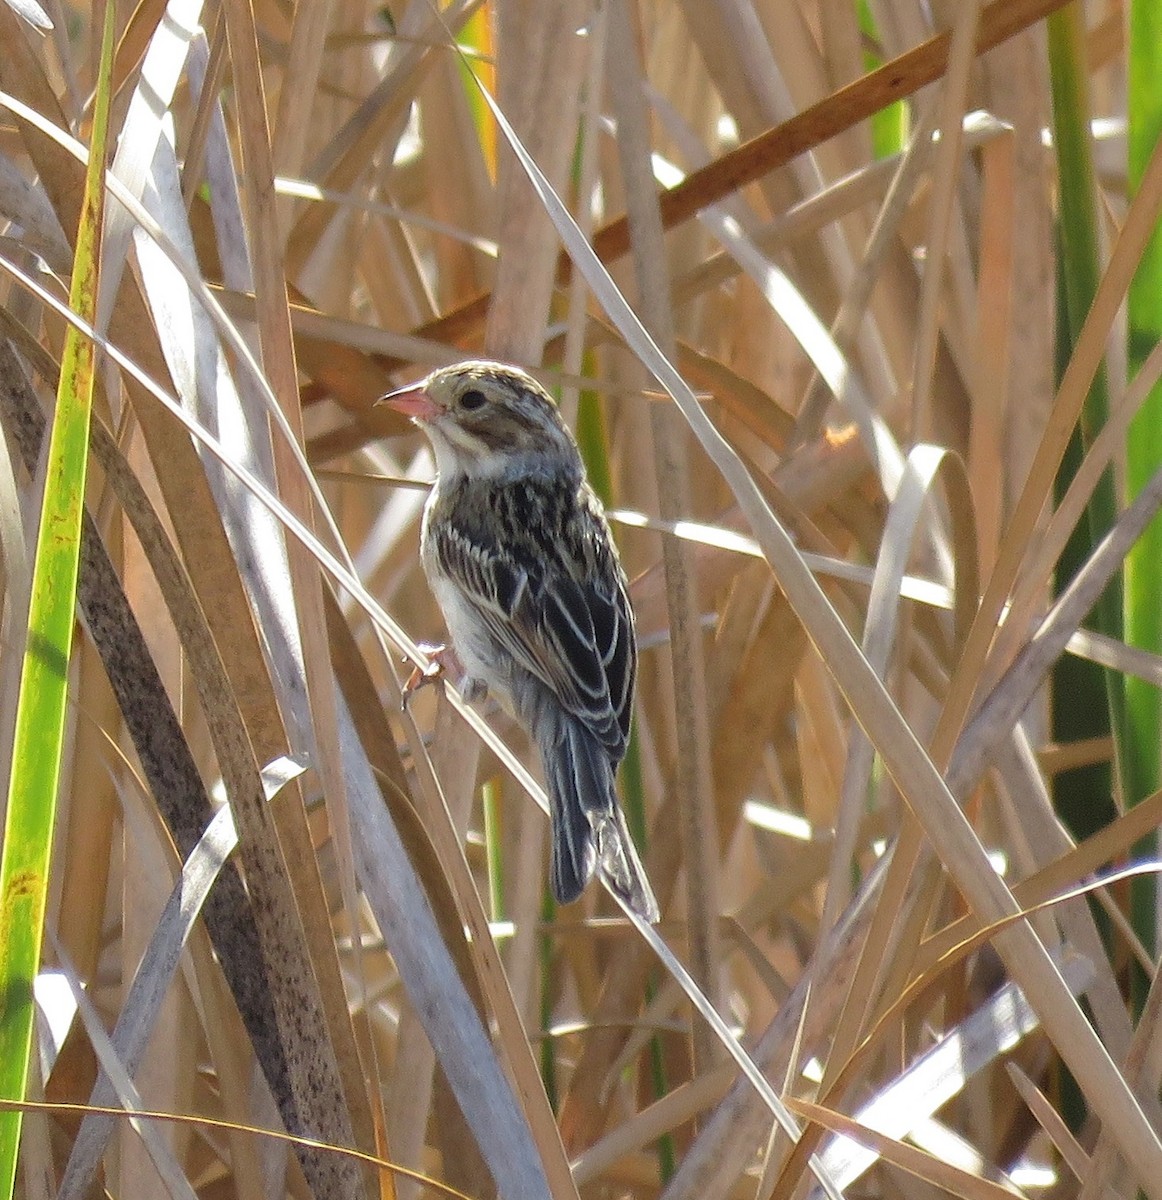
[500, 432]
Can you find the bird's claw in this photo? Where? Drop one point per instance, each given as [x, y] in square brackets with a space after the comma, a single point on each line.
[441, 660]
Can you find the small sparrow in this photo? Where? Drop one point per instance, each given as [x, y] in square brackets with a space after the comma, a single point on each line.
[518, 554]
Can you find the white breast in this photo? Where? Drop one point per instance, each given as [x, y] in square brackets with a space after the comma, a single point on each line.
[469, 638]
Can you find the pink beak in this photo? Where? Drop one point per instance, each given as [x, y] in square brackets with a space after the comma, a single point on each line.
[413, 402]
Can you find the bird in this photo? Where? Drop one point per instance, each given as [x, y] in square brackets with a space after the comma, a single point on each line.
[519, 556]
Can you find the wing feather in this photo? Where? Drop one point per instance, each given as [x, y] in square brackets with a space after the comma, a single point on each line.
[561, 612]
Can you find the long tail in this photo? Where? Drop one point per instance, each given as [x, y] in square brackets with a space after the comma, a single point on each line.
[589, 829]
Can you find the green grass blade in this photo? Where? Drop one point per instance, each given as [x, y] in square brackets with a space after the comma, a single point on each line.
[1142, 769]
[40, 718]
[494, 851]
[476, 35]
[1080, 268]
[889, 126]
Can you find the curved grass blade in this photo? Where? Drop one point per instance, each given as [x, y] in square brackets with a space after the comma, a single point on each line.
[40, 719]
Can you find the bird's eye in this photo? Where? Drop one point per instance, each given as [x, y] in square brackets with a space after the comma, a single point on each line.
[473, 400]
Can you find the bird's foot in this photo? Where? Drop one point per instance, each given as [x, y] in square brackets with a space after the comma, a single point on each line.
[443, 661]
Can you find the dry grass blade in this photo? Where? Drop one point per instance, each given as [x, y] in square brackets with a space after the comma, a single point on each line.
[943, 1174]
[175, 1181]
[923, 464]
[913, 771]
[693, 777]
[150, 983]
[1066, 1144]
[942, 1073]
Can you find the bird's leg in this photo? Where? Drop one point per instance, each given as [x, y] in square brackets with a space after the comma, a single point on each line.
[443, 661]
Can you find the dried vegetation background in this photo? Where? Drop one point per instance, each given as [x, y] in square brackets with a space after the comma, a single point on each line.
[357, 949]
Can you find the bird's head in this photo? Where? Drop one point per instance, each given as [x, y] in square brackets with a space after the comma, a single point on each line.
[485, 419]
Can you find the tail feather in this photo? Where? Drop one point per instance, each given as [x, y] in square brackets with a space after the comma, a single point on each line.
[589, 829]
[621, 867]
[574, 790]
[572, 856]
